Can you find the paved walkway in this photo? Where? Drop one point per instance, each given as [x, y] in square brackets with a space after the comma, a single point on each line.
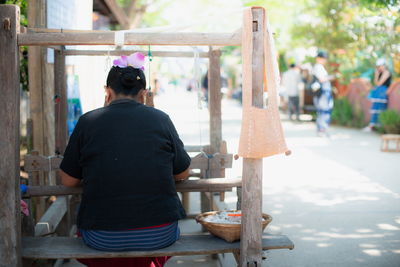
[338, 199]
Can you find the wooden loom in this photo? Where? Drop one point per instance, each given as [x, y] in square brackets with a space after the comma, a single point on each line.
[16, 250]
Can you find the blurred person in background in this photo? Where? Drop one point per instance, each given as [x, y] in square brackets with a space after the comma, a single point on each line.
[291, 80]
[323, 101]
[378, 95]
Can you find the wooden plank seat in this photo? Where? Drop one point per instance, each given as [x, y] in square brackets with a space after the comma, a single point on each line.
[198, 185]
[197, 244]
[386, 139]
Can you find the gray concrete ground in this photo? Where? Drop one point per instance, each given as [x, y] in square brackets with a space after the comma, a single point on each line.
[337, 198]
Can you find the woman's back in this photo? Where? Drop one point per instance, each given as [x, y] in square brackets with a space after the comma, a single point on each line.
[128, 154]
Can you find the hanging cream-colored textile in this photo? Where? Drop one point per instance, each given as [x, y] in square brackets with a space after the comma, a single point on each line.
[261, 134]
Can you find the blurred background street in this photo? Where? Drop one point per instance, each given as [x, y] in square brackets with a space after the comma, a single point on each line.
[337, 198]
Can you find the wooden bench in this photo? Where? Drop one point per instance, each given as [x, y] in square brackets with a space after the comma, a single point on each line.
[201, 161]
[386, 139]
[200, 244]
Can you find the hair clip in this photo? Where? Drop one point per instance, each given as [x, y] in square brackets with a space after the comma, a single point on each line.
[135, 60]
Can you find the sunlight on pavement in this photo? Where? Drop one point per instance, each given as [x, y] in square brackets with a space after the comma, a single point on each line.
[372, 252]
[385, 226]
[358, 236]
[308, 179]
[367, 245]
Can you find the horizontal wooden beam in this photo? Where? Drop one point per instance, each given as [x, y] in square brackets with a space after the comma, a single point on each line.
[56, 47]
[199, 185]
[196, 148]
[34, 163]
[131, 38]
[41, 163]
[217, 161]
[47, 30]
[126, 52]
[53, 216]
[193, 244]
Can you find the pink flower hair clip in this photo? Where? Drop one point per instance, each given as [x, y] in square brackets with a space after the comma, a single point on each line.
[135, 60]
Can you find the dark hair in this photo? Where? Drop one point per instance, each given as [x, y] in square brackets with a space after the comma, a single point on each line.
[126, 81]
[292, 65]
[322, 54]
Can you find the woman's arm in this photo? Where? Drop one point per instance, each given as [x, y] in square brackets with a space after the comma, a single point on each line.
[68, 180]
[182, 176]
[376, 75]
[383, 78]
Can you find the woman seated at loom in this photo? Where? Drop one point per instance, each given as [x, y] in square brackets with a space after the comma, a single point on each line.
[127, 156]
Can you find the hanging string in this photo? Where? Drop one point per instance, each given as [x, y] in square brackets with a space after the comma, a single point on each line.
[149, 101]
[57, 101]
[150, 55]
[197, 77]
[107, 66]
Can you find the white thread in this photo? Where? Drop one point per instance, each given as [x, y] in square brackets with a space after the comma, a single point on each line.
[119, 38]
[107, 66]
[197, 77]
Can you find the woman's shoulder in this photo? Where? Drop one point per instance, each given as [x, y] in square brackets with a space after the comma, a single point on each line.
[93, 114]
[154, 112]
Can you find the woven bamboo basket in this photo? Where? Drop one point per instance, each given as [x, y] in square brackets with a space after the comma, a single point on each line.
[228, 232]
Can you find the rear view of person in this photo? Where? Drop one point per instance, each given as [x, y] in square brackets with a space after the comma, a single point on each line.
[127, 157]
[291, 80]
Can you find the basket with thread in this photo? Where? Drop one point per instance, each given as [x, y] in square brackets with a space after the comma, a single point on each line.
[230, 232]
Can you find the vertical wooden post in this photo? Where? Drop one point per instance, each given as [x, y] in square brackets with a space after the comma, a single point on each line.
[10, 220]
[61, 107]
[214, 104]
[251, 233]
[61, 129]
[36, 98]
[41, 95]
[36, 18]
[41, 85]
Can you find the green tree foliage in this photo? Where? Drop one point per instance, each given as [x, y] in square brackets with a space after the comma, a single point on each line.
[324, 26]
[23, 5]
[379, 3]
[355, 33]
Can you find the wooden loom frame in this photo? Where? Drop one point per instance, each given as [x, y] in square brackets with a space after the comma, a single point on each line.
[11, 39]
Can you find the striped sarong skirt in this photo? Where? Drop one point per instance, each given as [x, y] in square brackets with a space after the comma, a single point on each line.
[139, 239]
[378, 98]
